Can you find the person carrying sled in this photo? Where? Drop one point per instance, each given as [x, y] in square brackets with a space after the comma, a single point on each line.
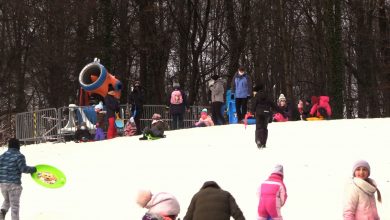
[177, 106]
[161, 206]
[263, 108]
[273, 196]
[100, 122]
[112, 107]
[157, 128]
[12, 165]
[204, 120]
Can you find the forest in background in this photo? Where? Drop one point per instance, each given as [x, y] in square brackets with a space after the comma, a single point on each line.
[339, 48]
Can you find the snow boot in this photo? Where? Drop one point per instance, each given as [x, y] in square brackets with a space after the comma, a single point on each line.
[143, 138]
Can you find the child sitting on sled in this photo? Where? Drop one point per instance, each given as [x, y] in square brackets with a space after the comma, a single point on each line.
[130, 128]
[204, 120]
[156, 130]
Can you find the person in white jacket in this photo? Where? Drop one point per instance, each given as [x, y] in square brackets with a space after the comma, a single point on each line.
[360, 197]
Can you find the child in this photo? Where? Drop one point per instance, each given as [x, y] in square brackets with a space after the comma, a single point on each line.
[262, 107]
[131, 128]
[82, 133]
[161, 206]
[12, 165]
[273, 195]
[205, 120]
[360, 196]
[156, 129]
[100, 123]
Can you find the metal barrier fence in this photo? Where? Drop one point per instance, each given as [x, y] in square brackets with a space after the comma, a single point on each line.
[37, 126]
[60, 124]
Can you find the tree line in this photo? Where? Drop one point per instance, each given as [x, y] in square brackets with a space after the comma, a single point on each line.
[339, 48]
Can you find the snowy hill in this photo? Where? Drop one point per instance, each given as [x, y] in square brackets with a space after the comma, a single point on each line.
[103, 177]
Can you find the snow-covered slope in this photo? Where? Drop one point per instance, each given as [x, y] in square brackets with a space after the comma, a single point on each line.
[103, 177]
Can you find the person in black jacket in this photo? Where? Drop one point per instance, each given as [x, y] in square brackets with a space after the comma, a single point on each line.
[213, 203]
[262, 107]
[112, 107]
[136, 100]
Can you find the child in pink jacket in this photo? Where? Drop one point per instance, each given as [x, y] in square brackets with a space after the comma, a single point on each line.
[273, 195]
[360, 197]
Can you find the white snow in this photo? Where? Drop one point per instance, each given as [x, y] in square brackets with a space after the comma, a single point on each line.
[103, 177]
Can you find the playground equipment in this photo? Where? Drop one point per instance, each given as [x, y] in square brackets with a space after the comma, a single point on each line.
[94, 78]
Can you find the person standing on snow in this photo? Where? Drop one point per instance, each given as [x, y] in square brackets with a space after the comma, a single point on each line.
[12, 165]
[262, 107]
[177, 106]
[241, 88]
[216, 86]
[360, 196]
[273, 196]
[136, 99]
[112, 107]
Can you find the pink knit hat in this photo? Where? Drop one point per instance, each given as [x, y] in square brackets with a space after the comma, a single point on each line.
[361, 163]
[278, 169]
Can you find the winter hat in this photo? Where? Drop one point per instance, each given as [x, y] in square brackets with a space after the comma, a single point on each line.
[156, 116]
[14, 143]
[282, 98]
[258, 87]
[361, 163]
[278, 169]
[176, 85]
[143, 197]
[99, 106]
[131, 120]
[215, 77]
[204, 110]
[83, 126]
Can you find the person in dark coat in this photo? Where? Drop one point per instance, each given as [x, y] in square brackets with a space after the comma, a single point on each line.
[213, 203]
[136, 100]
[263, 108]
[82, 133]
[112, 107]
[177, 106]
[12, 165]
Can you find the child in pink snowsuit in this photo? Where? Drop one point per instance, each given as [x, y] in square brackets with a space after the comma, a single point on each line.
[273, 195]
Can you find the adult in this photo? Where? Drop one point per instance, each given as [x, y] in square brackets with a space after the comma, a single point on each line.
[12, 165]
[112, 107]
[213, 203]
[177, 106]
[217, 89]
[136, 99]
[241, 91]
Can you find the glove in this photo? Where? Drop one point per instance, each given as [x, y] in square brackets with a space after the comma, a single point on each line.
[34, 170]
[232, 96]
